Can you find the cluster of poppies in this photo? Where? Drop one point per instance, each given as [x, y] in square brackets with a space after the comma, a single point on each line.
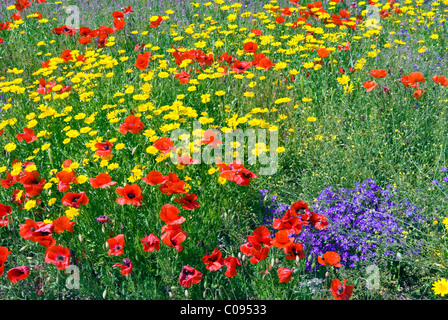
[412, 80]
[103, 32]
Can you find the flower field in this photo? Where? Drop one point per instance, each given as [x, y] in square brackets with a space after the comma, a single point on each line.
[223, 150]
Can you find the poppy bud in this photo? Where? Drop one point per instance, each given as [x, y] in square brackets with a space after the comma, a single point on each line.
[297, 259]
[133, 150]
[272, 261]
[277, 261]
[239, 255]
[243, 258]
[327, 274]
[204, 294]
[104, 293]
[49, 192]
[107, 246]
[187, 295]
[171, 295]
[80, 237]
[103, 229]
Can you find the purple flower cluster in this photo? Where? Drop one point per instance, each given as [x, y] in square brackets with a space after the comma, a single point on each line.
[365, 223]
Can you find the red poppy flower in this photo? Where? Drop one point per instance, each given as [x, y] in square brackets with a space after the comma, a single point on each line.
[319, 221]
[128, 10]
[45, 241]
[323, 53]
[256, 253]
[26, 230]
[131, 124]
[9, 181]
[43, 234]
[292, 224]
[170, 215]
[102, 180]
[62, 224]
[257, 32]
[213, 261]
[188, 201]
[154, 177]
[240, 176]
[126, 267]
[142, 61]
[294, 250]
[67, 56]
[241, 66]
[164, 144]
[282, 240]
[189, 276]
[104, 149]
[18, 273]
[116, 245]
[231, 263]
[117, 14]
[27, 135]
[418, 93]
[4, 252]
[344, 47]
[156, 24]
[183, 77]
[4, 210]
[227, 58]
[67, 163]
[65, 179]
[341, 291]
[413, 79]
[210, 137]
[173, 236]
[369, 85]
[151, 243]
[279, 19]
[442, 80]
[378, 73]
[330, 258]
[75, 200]
[259, 255]
[299, 208]
[250, 47]
[33, 185]
[284, 274]
[172, 185]
[261, 236]
[131, 194]
[59, 256]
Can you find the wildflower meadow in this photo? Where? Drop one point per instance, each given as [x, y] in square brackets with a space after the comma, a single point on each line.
[223, 150]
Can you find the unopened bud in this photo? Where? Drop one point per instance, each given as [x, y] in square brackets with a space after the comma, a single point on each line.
[187, 295]
[327, 274]
[80, 237]
[204, 294]
[170, 294]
